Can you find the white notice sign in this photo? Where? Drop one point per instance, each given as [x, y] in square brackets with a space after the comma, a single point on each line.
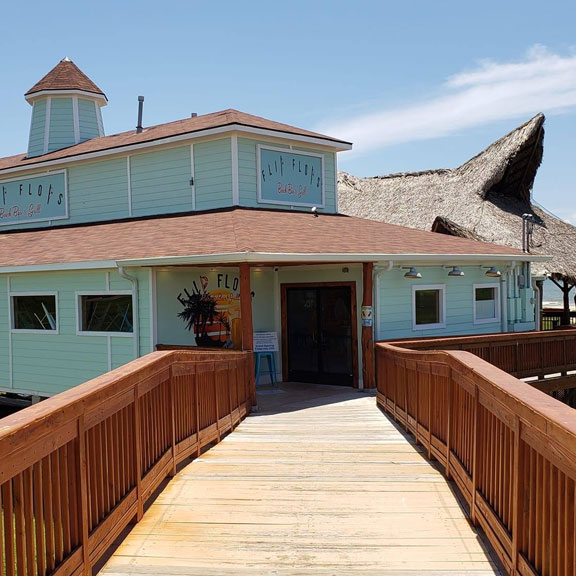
[265, 342]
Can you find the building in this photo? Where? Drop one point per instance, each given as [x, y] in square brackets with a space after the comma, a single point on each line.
[204, 231]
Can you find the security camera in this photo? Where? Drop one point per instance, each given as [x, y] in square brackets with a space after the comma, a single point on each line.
[314, 211]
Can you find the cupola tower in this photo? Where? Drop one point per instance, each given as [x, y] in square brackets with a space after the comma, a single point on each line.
[65, 109]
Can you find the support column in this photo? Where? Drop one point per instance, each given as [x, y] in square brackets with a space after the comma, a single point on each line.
[246, 317]
[367, 326]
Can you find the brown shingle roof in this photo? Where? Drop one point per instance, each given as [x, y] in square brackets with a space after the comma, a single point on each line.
[153, 133]
[239, 230]
[65, 76]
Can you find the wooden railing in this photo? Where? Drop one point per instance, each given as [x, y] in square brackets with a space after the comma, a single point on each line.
[510, 449]
[551, 318]
[524, 354]
[76, 469]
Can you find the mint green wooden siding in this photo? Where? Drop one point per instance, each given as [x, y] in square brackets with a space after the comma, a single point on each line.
[262, 284]
[4, 336]
[213, 174]
[248, 178]
[37, 129]
[161, 181]
[61, 124]
[48, 363]
[87, 119]
[98, 191]
[394, 300]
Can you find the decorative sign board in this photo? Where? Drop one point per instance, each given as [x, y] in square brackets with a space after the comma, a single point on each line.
[265, 342]
[35, 199]
[289, 177]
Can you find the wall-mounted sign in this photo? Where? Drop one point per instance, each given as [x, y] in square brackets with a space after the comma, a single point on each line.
[289, 177]
[211, 310]
[35, 199]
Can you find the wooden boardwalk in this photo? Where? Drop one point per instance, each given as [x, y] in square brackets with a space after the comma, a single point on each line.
[325, 486]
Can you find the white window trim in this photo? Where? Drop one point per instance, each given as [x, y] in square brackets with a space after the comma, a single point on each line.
[438, 325]
[80, 332]
[497, 305]
[28, 331]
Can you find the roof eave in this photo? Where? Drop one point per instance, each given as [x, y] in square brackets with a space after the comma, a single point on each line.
[273, 257]
[100, 97]
[338, 146]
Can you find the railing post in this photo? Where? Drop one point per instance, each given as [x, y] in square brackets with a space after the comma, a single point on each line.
[367, 331]
[449, 424]
[417, 409]
[475, 456]
[247, 325]
[429, 413]
[83, 495]
[517, 496]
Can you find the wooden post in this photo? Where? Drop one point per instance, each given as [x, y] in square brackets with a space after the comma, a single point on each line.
[247, 327]
[367, 331]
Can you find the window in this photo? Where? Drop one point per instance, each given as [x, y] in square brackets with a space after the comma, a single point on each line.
[106, 313]
[34, 312]
[428, 307]
[486, 303]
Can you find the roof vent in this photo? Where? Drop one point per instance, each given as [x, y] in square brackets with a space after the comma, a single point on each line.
[140, 110]
[193, 115]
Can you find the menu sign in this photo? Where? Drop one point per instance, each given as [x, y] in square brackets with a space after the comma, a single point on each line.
[35, 199]
[288, 177]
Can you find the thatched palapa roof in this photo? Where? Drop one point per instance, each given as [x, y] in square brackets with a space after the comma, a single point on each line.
[483, 199]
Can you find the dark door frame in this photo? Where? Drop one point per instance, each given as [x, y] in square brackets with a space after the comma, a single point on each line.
[353, 319]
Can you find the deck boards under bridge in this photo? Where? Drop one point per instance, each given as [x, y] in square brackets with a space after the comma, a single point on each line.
[318, 482]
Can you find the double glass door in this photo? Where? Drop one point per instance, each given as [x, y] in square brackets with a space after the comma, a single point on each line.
[320, 334]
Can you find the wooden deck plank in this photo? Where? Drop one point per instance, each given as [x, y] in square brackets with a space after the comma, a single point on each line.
[322, 489]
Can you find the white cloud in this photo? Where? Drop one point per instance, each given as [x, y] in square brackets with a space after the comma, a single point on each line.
[542, 82]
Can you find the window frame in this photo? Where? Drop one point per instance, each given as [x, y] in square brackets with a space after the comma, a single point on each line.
[497, 307]
[81, 332]
[14, 330]
[442, 301]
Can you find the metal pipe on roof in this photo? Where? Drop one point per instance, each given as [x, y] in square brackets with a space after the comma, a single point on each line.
[140, 111]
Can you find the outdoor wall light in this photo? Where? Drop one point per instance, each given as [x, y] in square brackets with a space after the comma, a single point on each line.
[493, 272]
[455, 272]
[412, 272]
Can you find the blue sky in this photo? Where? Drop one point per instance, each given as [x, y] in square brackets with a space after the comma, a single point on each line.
[414, 84]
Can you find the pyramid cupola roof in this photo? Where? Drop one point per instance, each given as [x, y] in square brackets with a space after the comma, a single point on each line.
[65, 77]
